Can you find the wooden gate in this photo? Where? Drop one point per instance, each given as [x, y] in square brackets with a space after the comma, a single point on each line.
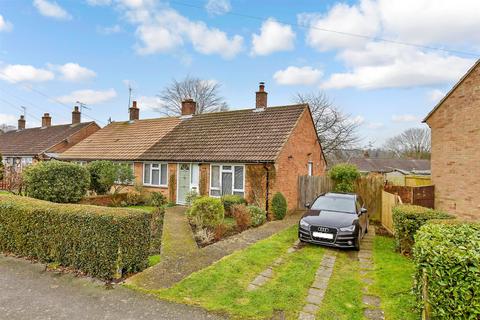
[310, 187]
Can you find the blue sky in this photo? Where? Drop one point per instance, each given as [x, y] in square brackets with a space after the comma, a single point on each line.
[64, 51]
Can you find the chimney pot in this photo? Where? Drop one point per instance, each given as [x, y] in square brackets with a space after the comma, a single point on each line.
[261, 96]
[76, 115]
[46, 120]
[189, 107]
[134, 111]
[21, 123]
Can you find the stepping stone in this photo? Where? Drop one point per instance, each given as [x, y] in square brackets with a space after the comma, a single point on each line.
[278, 261]
[291, 249]
[320, 284]
[374, 314]
[260, 280]
[251, 287]
[311, 308]
[372, 301]
[367, 281]
[268, 273]
[305, 316]
[314, 299]
[316, 292]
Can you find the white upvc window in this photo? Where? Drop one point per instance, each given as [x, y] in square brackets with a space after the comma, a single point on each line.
[155, 174]
[310, 168]
[26, 161]
[227, 179]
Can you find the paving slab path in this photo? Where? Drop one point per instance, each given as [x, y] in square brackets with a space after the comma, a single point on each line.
[27, 291]
[182, 257]
[372, 303]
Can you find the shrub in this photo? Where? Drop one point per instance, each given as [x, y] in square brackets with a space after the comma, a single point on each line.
[206, 212]
[242, 216]
[447, 269]
[102, 175]
[190, 197]
[231, 200]
[407, 219]
[157, 199]
[344, 175]
[204, 236]
[279, 206]
[56, 181]
[258, 215]
[219, 231]
[134, 198]
[100, 241]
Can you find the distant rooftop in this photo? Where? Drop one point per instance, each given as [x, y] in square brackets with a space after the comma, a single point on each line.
[388, 165]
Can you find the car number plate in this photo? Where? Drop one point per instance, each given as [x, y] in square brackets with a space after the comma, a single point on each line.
[322, 235]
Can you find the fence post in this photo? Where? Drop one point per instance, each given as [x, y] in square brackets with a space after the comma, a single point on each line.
[426, 312]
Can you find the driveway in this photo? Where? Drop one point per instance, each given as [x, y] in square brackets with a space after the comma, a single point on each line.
[27, 291]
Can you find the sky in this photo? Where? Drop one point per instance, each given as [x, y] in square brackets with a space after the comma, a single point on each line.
[386, 63]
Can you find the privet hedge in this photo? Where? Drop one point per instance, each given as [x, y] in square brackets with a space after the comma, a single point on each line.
[102, 242]
[407, 219]
[447, 276]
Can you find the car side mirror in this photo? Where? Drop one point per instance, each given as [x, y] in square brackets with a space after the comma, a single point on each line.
[307, 205]
[363, 210]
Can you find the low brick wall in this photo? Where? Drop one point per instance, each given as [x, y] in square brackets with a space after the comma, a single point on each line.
[102, 200]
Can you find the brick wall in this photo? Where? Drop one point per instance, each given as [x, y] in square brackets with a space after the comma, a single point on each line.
[456, 150]
[301, 147]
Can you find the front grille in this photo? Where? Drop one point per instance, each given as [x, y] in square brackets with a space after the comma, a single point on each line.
[323, 230]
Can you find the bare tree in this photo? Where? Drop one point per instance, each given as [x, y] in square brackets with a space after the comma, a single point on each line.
[335, 129]
[412, 143]
[204, 92]
[6, 127]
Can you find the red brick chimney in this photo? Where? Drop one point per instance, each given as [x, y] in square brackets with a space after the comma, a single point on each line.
[189, 107]
[261, 96]
[134, 111]
[21, 123]
[76, 115]
[46, 120]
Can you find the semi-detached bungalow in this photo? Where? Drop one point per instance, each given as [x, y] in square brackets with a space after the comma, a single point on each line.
[251, 152]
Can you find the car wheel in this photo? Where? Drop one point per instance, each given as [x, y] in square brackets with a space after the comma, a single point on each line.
[357, 241]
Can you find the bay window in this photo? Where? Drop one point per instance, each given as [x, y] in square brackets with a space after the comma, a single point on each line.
[227, 179]
[155, 174]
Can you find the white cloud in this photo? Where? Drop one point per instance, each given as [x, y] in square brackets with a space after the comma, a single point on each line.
[218, 7]
[19, 72]
[74, 72]
[5, 26]
[375, 125]
[273, 37]
[88, 96]
[148, 103]
[8, 119]
[51, 9]
[372, 64]
[109, 30]
[383, 65]
[436, 95]
[405, 118]
[358, 120]
[162, 30]
[298, 75]
[99, 2]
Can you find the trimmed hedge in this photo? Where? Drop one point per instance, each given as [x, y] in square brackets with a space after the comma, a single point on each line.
[56, 181]
[447, 264]
[259, 216]
[279, 206]
[407, 219]
[100, 241]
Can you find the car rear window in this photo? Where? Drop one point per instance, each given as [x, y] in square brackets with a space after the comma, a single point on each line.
[334, 204]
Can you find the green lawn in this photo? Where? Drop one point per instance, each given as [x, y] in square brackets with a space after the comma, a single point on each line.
[343, 296]
[393, 281]
[222, 286]
[153, 260]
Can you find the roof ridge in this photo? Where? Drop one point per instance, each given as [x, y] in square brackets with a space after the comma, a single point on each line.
[52, 126]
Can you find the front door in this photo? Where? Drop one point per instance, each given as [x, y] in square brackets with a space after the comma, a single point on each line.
[183, 182]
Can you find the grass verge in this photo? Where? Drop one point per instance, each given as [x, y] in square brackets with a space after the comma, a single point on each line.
[222, 286]
[153, 260]
[393, 281]
[343, 296]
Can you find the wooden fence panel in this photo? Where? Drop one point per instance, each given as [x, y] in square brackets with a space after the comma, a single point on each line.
[388, 202]
[310, 187]
[424, 196]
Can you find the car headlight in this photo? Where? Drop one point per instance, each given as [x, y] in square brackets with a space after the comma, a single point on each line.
[349, 228]
[304, 224]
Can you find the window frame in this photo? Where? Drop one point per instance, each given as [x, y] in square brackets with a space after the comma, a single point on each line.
[159, 168]
[310, 168]
[221, 171]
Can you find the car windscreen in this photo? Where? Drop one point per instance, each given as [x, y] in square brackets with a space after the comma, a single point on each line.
[334, 204]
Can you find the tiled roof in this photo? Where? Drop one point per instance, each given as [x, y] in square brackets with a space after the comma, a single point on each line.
[34, 141]
[388, 165]
[121, 140]
[241, 135]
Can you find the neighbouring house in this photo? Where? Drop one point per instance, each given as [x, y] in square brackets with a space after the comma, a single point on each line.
[251, 152]
[396, 171]
[24, 146]
[455, 125]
